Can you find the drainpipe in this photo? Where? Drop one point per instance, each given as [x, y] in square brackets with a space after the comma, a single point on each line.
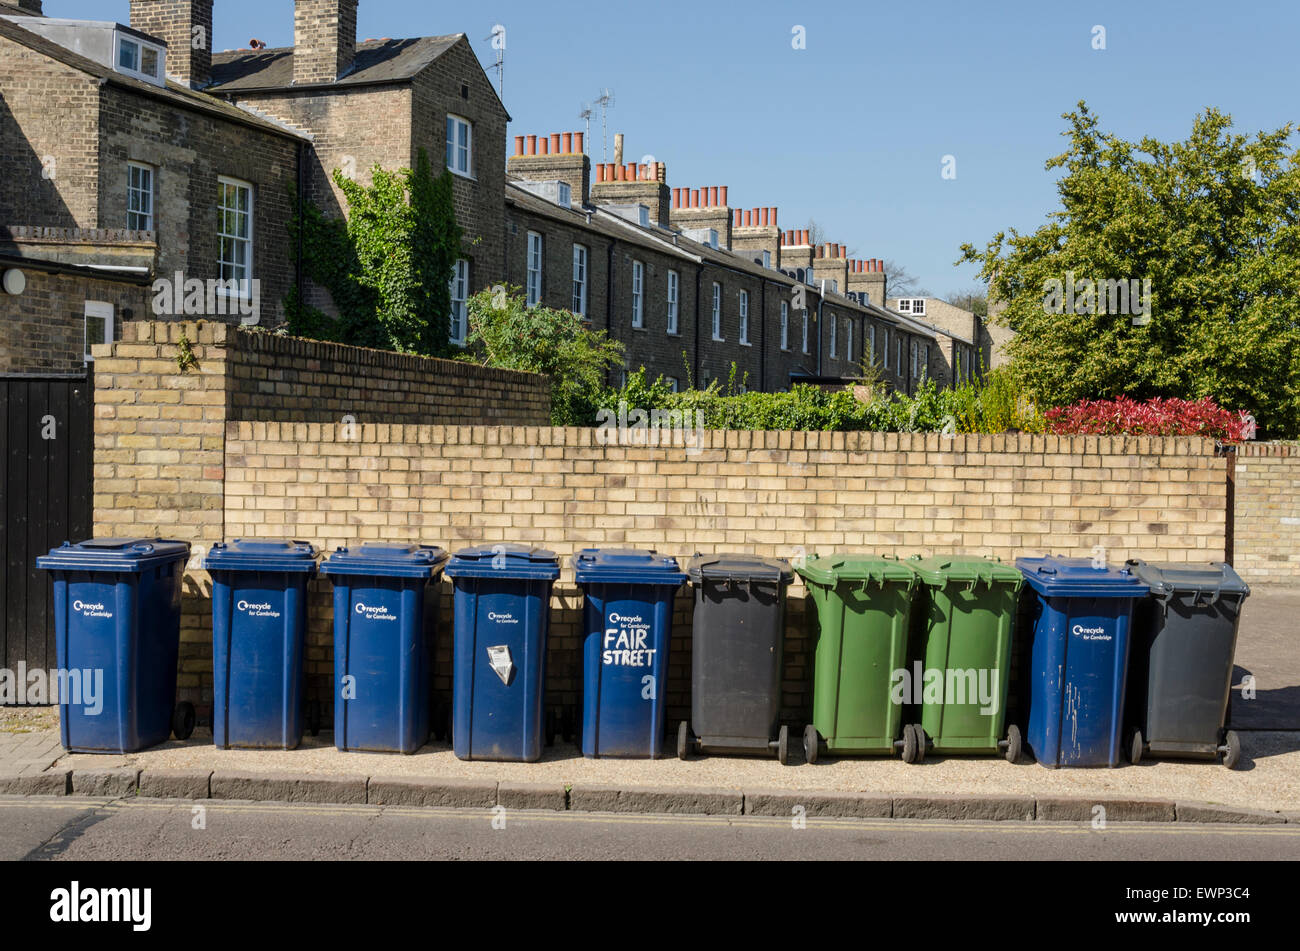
[762, 338]
[609, 291]
[821, 302]
[699, 289]
[302, 205]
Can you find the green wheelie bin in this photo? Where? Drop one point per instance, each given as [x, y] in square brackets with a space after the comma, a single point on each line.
[964, 617]
[862, 604]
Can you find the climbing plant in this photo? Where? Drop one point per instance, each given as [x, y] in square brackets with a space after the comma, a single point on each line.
[387, 265]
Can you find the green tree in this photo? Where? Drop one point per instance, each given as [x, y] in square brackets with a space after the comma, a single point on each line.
[1213, 222]
[505, 332]
[387, 266]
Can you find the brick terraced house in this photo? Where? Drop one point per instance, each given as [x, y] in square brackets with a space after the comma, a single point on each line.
[134, 153]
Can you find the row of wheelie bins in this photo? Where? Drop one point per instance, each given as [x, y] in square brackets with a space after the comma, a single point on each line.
[911, 656]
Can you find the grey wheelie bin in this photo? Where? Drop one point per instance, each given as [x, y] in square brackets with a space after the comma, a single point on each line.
[737, 646]
[1180, 671]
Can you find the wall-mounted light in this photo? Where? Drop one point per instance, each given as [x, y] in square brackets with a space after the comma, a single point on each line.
[15, 281]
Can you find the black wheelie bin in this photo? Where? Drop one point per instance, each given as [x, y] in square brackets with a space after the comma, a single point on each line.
[737, 643]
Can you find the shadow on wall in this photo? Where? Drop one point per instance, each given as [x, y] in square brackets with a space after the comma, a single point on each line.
[564, 653]
[29, 193]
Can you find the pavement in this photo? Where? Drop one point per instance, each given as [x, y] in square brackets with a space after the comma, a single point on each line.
[1263, 790]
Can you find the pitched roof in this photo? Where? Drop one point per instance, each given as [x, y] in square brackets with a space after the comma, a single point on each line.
[173, 92]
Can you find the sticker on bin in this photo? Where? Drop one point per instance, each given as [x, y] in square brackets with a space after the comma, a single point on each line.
[375, 612]
[502, 665]
[625, 641]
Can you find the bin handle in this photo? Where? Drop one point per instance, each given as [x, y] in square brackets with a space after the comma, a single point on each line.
[145, 548]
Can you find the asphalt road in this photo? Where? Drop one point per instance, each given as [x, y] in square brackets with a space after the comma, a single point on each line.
[99, 829]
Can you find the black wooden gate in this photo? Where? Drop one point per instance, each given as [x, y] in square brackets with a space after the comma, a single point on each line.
[46, 443]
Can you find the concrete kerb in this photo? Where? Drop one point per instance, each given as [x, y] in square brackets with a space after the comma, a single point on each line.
[462, 793]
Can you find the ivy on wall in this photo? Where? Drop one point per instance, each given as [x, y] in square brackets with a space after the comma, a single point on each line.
[387, 265]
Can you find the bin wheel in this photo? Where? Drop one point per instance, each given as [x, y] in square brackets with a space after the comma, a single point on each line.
[683, 739]
[1232, 751]
[921, 742]
[1014, 744]
[909, 744]
[183, 720]
[783, 746]
[811, 744]
[1136, 747]
[313, 717]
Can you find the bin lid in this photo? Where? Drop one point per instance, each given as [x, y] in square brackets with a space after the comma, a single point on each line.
[1168, 580]
[1057, 576]
[625, 566]
[262, 555]
[739, 566]
[386, 560]
[504, 560]
[832, 569]
[113, 554]
[939, 570]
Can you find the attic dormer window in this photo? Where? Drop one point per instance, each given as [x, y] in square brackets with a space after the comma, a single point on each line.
[140, 59]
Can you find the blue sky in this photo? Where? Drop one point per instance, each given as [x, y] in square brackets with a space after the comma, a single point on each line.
[853, 129]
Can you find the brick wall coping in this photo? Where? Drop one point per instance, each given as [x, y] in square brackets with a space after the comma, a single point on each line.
[90, 236]
[1268, 449]
[581, 437]
[361, 358]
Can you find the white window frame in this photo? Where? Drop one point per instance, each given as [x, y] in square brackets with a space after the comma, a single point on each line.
[834, 322]
[905, 305]
[245, 282]
[915, 371]
[717, 311]
[143, 192]
[155, 78]
[885, 348]
[925, 361]
[533, 279]
[461, 149]
[674, 292]
[97, 310]
[638, 295]
[744, 319]
[871, 336]
[458, 287]
[805, 331]
[848, 340]
[785, 325]
[672, 382]
[580, 258]
[564, 194]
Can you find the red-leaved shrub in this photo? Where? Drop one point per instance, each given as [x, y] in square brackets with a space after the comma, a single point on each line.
[1155, 417]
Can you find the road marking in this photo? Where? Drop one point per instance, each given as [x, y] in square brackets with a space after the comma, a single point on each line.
[947, 826]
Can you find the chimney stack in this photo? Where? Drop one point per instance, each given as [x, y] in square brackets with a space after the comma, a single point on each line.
[555, 157]
[324, 40]
[184, 25]
[34, 6]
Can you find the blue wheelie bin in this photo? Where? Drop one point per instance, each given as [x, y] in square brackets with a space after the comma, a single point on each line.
[627, 624]
[259, 621]
[502, 618]
[385, 622]
[1082, 614]
[117, 621]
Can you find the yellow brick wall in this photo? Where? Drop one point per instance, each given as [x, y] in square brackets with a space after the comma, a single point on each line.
[1266, 530]
[773, 493]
